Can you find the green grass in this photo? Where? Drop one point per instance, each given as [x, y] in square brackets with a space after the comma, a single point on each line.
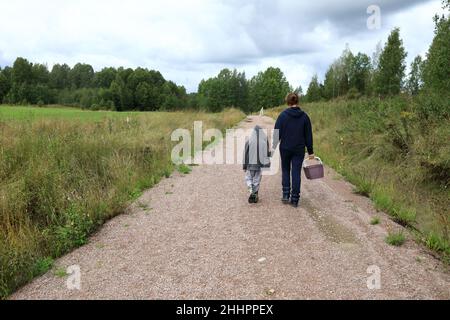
[42, 265]
[184, 169]
[60, 273]
[362, 186]
[64, 172]
[375, 221]
[22, 113]
[382, 201]
[436, 243]
[396, 239]
[404, 216]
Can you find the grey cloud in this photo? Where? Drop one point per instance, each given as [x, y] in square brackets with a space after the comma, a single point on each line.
[292, 27]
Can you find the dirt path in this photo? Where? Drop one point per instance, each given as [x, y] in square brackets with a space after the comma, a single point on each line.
[196, 237]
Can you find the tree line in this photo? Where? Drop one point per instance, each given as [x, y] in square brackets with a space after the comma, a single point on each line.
[232, 89]
[383, 74]
[110, 89]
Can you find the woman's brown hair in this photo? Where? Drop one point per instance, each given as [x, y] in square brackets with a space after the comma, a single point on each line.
[292, 99]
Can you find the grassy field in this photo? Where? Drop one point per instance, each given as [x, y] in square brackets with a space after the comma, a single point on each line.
[22, 113]
[393, 154]
[64, 172]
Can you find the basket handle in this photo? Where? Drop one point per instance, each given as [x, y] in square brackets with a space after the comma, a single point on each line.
[316, 158]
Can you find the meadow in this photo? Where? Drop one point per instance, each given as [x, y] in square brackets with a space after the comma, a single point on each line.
[27, 113]
[395, 151]
[65, 171]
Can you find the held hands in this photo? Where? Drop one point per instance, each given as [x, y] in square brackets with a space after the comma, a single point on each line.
[271, 153]
[312, 157]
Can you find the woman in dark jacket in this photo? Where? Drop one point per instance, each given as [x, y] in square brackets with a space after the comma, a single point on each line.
[294, 135]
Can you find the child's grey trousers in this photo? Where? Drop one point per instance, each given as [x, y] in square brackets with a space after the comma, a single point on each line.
[253, 180]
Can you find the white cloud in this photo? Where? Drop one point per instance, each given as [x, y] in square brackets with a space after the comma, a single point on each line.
[191, 40]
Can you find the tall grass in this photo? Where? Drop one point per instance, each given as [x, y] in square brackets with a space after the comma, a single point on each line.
[62, 177]
[395, 151]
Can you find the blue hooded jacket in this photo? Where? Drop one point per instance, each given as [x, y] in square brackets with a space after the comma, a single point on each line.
[295, 131]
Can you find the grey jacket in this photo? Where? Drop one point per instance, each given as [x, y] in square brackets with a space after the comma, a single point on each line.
[257, 151]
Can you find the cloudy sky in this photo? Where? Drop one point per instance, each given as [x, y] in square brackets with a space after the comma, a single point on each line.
[194, 39]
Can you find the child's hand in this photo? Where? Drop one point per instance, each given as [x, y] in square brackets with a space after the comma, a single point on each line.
[272, 153]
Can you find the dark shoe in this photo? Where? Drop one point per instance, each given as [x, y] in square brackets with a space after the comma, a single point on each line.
[294, 204]
[256, 198]
[253, 198]
[285, 199]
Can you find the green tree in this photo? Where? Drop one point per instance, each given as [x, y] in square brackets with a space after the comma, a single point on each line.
[210, 92]
[391, 68]
[337, 78]
[110, 88]
[81, 76]
[240, 90]
[415, 80]
[299, 91]
[59, 77]
[147, 98]
[359, 74]
[124, 74]
[268, 89]
[121, 95]
[436, 71]
[21, 80]
[40, 74]
[343, 70]
[375, 67]
[4, 86]
[330, 90]
[151, 93]
[228, 89]
[105, 77]
[151, 77]
[314, 92]
[174, 97]
[22, 71]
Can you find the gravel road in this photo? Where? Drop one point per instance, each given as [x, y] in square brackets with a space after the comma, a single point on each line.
[196, 237]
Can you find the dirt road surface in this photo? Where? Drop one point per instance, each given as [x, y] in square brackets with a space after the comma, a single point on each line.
[196, 237]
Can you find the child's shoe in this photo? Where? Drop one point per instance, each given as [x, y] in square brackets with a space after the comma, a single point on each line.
[286, 198]
[294, 203]
[256, 197]
[253, 198]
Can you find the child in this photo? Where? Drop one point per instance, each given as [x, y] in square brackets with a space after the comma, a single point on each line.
[256, 157]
